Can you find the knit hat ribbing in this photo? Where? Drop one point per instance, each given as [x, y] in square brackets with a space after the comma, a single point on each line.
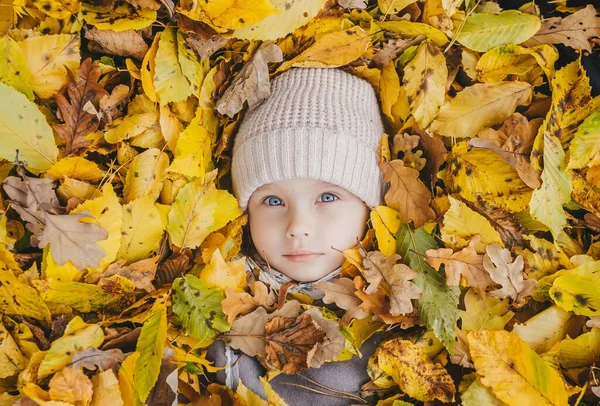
[318, 123]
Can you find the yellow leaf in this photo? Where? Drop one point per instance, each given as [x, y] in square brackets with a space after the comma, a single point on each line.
[273, 398]
[77, 336]
[484, 31]
[578, 290]
[18, 298]
[24, 127]
[581, 351]
[228, 14]
[514, 371]
[291, 16]
[425, 83]
[394, 100]
[47, 57]
[193, 69]
[221, 274]
[198, 210]
[169, 81]
[414, 372]
[59, 9]
[510, 59]
[585, 146]
[332, 50]
[412, 29]
[479, 173]
[75, 167]
[146, 175]
[132, 125]
[142, 229]
[479, 106]
[122, 18]
[76, 188]
[148, 68]
[16, 73]
[545, 329]
[543, 259]
[193, 153]
[126, 384]
[393, 6]
[248, 397]
[12, 361]
[386, 222]
[106, 389]
[461, 223]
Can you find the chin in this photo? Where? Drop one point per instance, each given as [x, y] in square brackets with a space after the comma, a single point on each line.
[308, 275]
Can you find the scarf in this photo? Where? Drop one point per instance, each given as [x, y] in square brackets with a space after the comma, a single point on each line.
[277, 279]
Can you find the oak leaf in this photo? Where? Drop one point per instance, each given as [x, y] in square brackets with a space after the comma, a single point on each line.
[78, 123]
[236, 303]
[508, 273]
[341, 292]
[141, 273]
[92, 358]
[466, 263]
[71, 386]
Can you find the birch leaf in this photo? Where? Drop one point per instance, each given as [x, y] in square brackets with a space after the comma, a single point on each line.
[13, 68]
[146, 175]
[483, 31]
[479, 106]
[170, 83]
[142, 229]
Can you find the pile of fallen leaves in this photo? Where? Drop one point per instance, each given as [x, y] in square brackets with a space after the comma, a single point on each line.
[121, 254]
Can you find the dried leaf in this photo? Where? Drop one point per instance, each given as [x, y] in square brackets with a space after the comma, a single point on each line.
[341, 292]
[92, 358]
[122, 43]
[508, 273]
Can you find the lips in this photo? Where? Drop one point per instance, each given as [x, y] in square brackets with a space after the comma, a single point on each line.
[302, 256]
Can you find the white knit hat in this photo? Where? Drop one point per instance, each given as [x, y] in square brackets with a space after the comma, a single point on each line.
[318, 123]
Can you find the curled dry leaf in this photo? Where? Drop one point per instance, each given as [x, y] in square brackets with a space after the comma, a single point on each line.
[92, 358]
[141, 273]
[236, 303]
[251, 83]
[341, 292]
[122, 43]
[291, 343]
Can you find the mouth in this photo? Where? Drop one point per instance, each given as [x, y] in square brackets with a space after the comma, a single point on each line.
[302, 257]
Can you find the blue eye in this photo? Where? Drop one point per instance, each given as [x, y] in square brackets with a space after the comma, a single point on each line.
[334, 197]
[268, 199]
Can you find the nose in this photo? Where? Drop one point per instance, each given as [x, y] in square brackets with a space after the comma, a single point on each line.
[299, 224]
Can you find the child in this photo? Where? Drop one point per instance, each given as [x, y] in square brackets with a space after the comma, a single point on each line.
[305, 167]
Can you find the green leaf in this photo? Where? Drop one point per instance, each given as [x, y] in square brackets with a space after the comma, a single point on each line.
[150, 345]
[484, 31]
[438, 305]
[23, 127]
[198, 308]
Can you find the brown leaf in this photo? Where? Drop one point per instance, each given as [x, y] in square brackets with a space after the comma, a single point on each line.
[335, 343]
[341, 292]
[236, 303]
[125, 342]
[513, 142]
[406, 194]
[122, 43]
[77, 122]
[394, 279]
[205, 47]
[466, 263]
[164, 392]
[574, 30]
[498, 262]
[292, 342]
[247, 333]
[141, 273]
[92, 358]
[507, 225]
[251, 83]
[72, 386]
[434, 154]
[112, 106]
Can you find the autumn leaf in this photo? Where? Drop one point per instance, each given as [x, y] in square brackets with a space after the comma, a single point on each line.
[341, 292]
[123, 43]
[407, 194]
[71, 386]
[78, 123]
[236, 303]
[466, 263]
[92, 358]
[508, 273]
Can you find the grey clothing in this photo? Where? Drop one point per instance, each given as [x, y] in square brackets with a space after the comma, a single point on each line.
[347, 376]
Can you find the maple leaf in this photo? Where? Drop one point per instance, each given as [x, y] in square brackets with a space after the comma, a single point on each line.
[291, 343]
[508, 273]
[341, 292]
[78, 123]
[236, 303]
[466, 263]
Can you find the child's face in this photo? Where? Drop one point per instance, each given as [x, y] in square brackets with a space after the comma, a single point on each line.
[305, 214]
